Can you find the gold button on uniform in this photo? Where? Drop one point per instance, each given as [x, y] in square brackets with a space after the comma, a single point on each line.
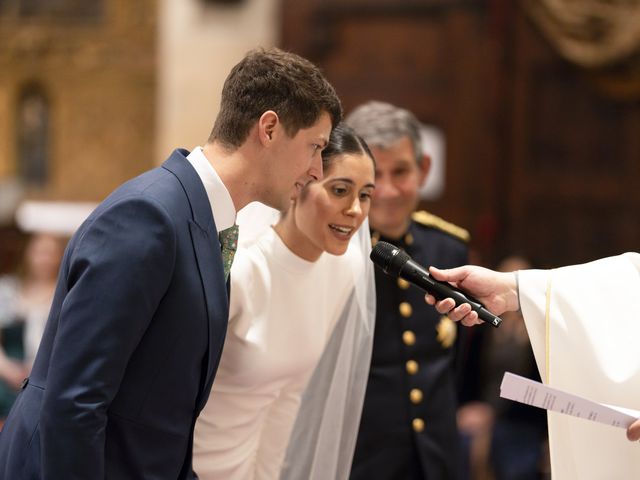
[375, 237]
[405, 309]
[402, 283]
[412, 367]
[408, 239]
[418, 425]
[415, 395]
[408, 337]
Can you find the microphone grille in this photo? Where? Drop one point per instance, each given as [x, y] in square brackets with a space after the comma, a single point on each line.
[389, 257]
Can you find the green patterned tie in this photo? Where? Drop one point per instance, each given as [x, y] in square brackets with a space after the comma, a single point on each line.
[229, 242]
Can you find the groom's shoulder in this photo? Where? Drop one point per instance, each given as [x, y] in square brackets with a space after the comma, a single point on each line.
[155, 189]
[156, 182]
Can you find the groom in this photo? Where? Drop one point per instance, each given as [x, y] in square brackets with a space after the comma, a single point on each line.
[139, 316]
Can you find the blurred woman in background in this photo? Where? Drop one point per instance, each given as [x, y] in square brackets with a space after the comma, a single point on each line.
[25, 300]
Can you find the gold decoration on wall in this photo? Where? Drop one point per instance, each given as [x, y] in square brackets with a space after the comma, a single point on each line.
[589, 33]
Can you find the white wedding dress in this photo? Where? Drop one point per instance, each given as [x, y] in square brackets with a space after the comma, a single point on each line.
[283, 311]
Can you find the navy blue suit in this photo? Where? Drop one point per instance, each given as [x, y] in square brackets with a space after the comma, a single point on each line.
[133, 339]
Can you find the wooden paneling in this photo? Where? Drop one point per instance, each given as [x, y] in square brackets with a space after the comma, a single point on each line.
[409, 54]
[539, 160]
[574, 160]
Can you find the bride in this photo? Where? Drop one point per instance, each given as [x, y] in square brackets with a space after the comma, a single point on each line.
[289, 389]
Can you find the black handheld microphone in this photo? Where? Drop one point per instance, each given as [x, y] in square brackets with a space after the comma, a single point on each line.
[398, 263]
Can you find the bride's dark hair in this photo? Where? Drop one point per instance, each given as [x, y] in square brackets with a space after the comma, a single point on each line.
[343, 140]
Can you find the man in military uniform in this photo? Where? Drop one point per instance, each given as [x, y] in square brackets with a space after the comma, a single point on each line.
[408, 426]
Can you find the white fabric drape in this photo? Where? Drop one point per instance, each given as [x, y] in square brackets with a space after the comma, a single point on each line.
[584, 326]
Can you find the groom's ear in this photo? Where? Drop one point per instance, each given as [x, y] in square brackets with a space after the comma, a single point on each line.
[267, 127]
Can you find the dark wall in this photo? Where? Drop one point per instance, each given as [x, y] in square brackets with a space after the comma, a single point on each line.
[539, 160]
[573, 158]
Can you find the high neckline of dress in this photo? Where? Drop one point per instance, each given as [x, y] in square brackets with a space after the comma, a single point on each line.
[284, 257]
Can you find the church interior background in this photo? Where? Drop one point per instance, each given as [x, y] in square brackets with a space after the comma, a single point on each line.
[537, 102]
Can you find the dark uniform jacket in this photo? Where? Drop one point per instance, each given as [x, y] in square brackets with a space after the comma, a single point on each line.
[408, 426]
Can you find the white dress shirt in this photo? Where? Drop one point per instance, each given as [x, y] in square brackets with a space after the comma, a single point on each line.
[222, 207]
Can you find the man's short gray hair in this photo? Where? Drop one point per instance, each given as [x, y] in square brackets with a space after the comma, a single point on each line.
[382, 124]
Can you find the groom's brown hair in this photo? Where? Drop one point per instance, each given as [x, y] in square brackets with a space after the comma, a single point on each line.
[272, 79]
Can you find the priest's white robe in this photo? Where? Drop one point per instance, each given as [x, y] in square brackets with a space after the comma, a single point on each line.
[584, 326]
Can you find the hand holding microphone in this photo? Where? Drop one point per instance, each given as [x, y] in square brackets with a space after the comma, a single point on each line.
[398, 263]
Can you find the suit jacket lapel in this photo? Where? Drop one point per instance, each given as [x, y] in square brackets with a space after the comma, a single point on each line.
[204, 235]
[215, 292]
[178, 164]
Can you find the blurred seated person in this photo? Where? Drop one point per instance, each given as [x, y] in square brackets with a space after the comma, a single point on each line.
[508, 439]
[25, 300]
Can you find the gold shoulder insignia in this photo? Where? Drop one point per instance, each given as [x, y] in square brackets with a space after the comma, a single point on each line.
[430, 220]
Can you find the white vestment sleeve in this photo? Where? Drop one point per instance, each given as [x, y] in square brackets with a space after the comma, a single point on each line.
[533, 291]
[584, 326]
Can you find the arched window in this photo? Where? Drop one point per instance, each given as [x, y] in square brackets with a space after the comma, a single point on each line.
[33, 136]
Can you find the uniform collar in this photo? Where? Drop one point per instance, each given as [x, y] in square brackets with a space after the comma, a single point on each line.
[404, 242]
